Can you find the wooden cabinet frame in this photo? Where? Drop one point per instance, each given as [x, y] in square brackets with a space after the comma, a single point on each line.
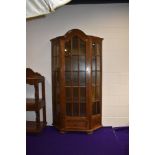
[77, 81]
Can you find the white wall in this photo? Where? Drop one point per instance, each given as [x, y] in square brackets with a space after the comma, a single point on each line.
[109, 21]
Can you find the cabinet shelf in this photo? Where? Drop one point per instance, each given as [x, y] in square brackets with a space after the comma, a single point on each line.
[33, 127]
[32, 104]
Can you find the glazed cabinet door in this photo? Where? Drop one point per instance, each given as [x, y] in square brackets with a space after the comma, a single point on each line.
[75, 76]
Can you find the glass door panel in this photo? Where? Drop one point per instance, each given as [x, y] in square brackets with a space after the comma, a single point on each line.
[82, 94]
[82, 50]
[82, 76]
[74, 63]
[98, 62]
[68, 48]
[82, 63]
[75, 79]
[75, 101]
[68, 63]
[93, 63]
[68, 108]
[75, 76]
[75, 45]
[67, 78]
[82, 108]
[68, 94]
[96, 78]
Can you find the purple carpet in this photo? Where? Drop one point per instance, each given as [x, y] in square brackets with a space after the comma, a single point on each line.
[103, 141]
[122, 134]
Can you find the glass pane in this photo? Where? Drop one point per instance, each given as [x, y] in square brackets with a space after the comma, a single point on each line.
[75, 78]
[82, 109]
[98, 62]
[98, 48]
[97, 93]
[68, 78]
[82, 94]
[82, 50]
[98, 108]
[68, 63]
[98, 78]
[75, 94]
[93, 49]
[94, 108]
[68, 48]
[93, 93]
[75, 63]
[82, 64]
[68, 108]
[93, 78]
[93, 63]
[82, 78]
[75, 101]
[75, 108]
[68, 94]
[75, 45]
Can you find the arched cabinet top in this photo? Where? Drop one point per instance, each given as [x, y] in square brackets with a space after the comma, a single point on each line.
[76, 32]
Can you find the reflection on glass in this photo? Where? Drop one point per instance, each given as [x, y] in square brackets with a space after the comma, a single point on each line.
[82, 64]
[75, 45]
[93, 63]
[75, 63]
[82, 50]
[82, 78]
[68, 48]
[93, 78]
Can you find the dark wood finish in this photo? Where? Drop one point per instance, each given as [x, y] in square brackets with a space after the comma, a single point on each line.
[36, 104]
[77, 81]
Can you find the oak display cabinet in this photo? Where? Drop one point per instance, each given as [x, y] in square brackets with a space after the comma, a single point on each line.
[77, 81]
